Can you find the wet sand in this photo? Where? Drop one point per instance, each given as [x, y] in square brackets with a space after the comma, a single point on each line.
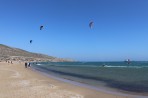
[16, 81]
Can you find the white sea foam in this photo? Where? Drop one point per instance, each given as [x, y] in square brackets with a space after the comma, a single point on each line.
[124, 66]
[38, 64]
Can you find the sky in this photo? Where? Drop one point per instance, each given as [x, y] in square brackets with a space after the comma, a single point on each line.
[120, 28]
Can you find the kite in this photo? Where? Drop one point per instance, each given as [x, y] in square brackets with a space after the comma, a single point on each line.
[30, 41]
[91, 24]
[41, 27]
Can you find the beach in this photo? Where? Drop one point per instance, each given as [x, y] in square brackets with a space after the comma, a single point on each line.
[16, 81]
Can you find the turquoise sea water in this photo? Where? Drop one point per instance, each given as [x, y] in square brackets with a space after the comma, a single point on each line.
[131, 77]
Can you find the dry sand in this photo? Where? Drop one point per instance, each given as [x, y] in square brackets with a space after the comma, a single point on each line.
[16, 81]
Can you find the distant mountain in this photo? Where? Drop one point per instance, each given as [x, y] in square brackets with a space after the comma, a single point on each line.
[10, 53]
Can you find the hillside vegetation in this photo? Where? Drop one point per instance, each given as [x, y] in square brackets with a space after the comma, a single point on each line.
[10, 53]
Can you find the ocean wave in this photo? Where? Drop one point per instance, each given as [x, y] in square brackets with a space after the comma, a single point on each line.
[126, 66]
[39, 64]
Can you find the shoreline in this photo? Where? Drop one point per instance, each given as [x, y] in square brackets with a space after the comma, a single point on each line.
[20, 82]
[103, 89]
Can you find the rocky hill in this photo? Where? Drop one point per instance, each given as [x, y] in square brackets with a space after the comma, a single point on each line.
[10, 53]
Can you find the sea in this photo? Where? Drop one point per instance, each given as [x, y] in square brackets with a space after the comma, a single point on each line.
[119, 76]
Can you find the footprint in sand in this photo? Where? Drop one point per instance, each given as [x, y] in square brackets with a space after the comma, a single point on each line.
[47, 82]
[14, 74]
[20, 83]
[24, 83]
[64, 94]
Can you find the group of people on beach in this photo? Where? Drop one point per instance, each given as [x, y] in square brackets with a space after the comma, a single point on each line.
[27, 64]
[7, 61]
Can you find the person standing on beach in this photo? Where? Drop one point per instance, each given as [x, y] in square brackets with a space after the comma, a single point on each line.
[25, 64]
[29, 65]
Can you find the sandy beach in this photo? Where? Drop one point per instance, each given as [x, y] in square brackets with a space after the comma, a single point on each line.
[16, 81]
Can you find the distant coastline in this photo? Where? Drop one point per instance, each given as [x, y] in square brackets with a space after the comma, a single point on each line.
[16, 54]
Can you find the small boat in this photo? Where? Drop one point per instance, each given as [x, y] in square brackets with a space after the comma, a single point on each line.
[128, 61]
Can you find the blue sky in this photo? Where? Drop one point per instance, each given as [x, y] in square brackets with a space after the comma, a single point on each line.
[120, 28]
